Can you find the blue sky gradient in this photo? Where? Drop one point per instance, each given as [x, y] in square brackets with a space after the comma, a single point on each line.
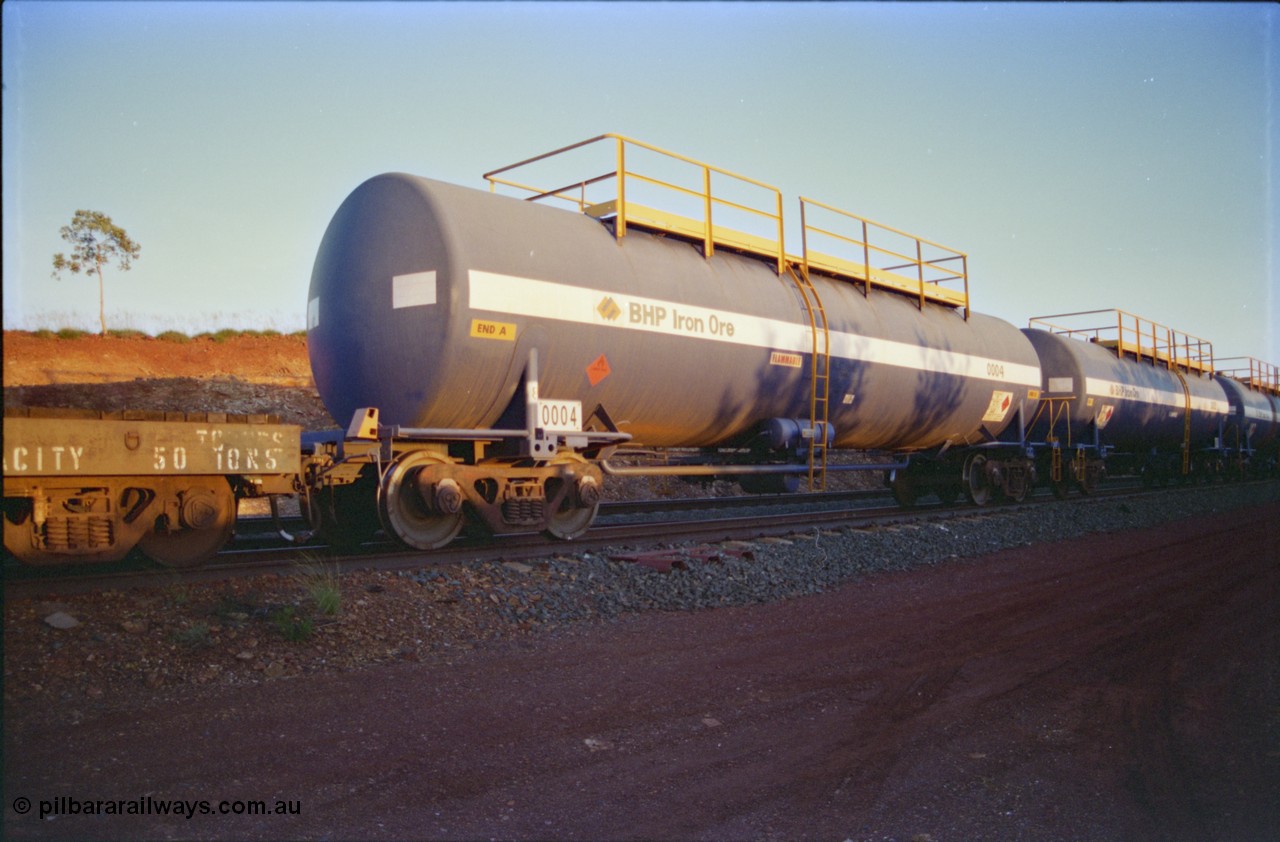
[1084, 155]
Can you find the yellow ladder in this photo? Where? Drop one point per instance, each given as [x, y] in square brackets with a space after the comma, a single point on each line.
[819, 383]
[1186, 424]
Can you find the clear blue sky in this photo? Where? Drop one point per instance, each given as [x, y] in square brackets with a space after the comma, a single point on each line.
[1085, 156]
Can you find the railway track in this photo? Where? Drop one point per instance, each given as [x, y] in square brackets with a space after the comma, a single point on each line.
[258, 550]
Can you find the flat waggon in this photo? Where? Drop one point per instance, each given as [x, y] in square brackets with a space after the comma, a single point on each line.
[89, 486]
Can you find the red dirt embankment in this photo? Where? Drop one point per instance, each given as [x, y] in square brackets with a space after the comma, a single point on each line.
[31, 360]
[242, 374]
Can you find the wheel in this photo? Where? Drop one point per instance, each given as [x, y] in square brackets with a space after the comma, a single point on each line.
[408, 517]
[1016, 486]
[577, 510]
[1089, 479]
[345, 516]
[206, 522]
[976, 483]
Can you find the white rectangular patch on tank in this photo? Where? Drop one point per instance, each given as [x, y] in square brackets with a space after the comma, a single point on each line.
[415, 290]
[313, 314]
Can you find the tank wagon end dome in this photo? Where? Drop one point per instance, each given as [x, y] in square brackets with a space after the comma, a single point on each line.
[378, 299]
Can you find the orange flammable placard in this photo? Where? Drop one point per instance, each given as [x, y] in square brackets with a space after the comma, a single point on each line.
[598, 370]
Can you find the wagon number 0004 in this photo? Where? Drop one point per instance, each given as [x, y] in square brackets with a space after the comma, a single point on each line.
[560, 415]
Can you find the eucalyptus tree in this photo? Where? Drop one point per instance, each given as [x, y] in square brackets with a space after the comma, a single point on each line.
[95, 241]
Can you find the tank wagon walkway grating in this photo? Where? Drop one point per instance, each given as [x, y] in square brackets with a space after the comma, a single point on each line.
[712, 206]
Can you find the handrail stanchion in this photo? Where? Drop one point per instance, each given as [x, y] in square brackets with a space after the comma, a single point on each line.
[804, 236]
[920, 270]
[866, 260]
[620, 229]
[707, 247]
[782, 249]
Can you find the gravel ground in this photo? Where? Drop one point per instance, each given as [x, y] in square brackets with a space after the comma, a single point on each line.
[1114, 686]
[248, 631]
[593, 585]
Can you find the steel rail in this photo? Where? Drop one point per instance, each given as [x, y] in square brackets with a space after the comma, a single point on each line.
[385, 556]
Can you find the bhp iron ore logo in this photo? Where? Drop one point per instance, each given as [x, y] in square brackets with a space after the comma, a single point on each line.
[609, 309]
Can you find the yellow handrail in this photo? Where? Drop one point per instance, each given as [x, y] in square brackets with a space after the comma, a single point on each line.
[1256, 374]
[624, 176]
[928, 272]
[873, 269]
[1135, 335]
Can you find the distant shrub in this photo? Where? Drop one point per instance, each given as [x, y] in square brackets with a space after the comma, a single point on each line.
[72, 333]
[229, 333]
[44, 333]
[173, 336]
[223, 335]
[127, 334]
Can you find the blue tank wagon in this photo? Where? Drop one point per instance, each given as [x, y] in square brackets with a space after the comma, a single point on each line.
[428, 300]
[1250, 435]
[1121, 390]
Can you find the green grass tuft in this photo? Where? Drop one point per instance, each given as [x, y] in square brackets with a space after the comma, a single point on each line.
[193, 637]
[292, 627]
[321, 583]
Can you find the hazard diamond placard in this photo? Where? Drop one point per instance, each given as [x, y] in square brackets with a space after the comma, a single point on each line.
[598, 370]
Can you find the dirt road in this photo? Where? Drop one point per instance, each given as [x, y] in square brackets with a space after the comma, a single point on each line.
[1115, 687]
